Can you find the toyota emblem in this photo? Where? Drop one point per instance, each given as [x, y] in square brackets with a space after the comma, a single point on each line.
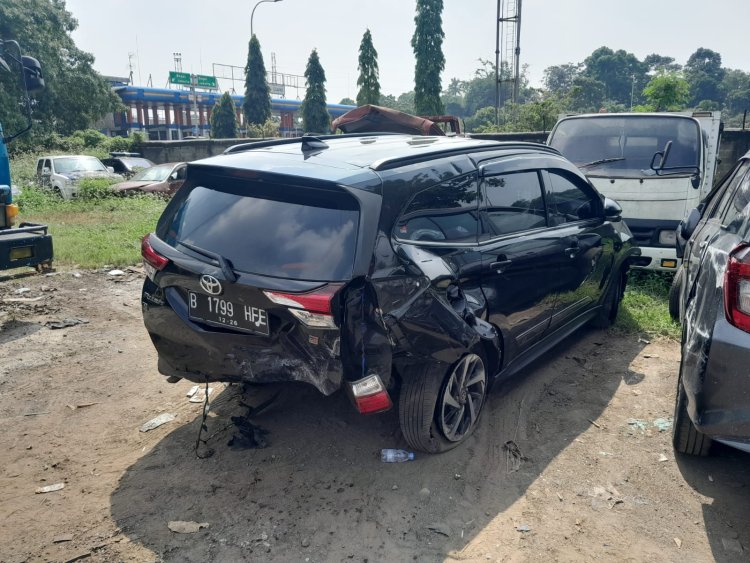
[210, 285]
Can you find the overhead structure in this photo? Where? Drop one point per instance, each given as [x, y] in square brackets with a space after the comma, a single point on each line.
[507, 50]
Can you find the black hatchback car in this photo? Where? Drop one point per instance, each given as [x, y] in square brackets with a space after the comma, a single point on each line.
[420, 269]
[713, 288]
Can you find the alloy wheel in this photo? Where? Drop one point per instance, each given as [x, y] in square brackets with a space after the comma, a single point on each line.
[462, 398]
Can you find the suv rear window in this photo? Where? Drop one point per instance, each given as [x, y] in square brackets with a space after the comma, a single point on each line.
[281, 231]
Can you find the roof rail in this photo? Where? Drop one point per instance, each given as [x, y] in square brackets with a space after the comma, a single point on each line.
[304, 139]
[395, 162]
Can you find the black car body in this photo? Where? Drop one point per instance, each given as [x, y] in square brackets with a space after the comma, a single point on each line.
[127, 164]
[713, 395]
[420, 266]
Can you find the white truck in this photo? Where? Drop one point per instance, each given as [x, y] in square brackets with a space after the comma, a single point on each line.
[657, 166]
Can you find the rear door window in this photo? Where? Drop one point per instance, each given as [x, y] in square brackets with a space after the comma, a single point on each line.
[514, 203]
[280, 231]
[443, 213]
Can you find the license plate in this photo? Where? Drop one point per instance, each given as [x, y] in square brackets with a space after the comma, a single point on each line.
[224, 313]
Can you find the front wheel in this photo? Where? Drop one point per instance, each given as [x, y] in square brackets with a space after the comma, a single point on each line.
[437, 415]
[674, 295]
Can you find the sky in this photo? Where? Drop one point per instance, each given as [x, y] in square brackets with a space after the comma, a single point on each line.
[552, 32]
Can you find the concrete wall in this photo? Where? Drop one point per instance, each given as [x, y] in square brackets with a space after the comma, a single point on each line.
[734, 144]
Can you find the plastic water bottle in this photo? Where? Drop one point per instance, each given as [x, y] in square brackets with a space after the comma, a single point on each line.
[395, 456]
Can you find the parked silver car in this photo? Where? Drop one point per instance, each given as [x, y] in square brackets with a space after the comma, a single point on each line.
[63, 173]
[713, 391]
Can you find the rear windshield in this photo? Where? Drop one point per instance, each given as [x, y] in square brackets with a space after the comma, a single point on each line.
[282, 231]
[623, 146]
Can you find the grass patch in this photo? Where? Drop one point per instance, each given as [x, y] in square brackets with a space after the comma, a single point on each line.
[645, 307]
[95, 232]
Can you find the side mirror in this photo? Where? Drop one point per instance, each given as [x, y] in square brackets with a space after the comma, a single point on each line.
[687, 226]
[695, 181]
[32, 74]
[612, 210]
[110, 170]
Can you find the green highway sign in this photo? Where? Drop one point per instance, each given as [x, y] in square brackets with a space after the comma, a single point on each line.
[179, 78]
[206, 81]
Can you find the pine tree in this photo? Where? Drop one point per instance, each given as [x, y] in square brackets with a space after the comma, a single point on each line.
[224, 119]
[257, 103]
[315, 118]
[427, 43]
[369, 87]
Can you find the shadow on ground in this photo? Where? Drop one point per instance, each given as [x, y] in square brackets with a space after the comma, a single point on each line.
[320, 491]
[723, 477]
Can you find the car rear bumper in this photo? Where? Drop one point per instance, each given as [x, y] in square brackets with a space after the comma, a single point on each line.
[723, 402]
[200, 353]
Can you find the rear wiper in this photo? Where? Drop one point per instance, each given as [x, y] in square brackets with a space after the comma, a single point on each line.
[226, 267]
[602, 161]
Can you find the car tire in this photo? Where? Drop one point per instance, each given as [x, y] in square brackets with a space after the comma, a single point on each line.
[674, 295]
[685, 436]
[437, 415]
[611, 305]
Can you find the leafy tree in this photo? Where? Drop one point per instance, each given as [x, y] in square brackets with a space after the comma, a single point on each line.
[735, 88]
[558, 79]
[456, 87]
[667, 91]
[405, 102]
[76, 96]
[659, 63]
[586, 94]
[369, 87]
[622, 74]
[704, 72]
[315, 118]
[268, 129]
[427, 43]
[257, 103]
[224, 118]
[347, 102]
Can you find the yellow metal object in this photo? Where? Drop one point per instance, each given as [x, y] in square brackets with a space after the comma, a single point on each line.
[11, 212]
[667, 263]
[21, 252]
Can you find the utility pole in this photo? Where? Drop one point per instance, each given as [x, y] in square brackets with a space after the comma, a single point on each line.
[508, 34]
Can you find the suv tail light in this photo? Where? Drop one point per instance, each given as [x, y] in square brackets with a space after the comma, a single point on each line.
[312, 308]
[152, 261]
[737, 288]
[370, 395]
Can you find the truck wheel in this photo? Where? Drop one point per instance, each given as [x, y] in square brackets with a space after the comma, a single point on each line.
[674, 295]
[685, 437]
[611, 306]
[437, 415]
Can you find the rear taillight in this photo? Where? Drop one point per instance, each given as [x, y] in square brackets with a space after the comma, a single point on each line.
[152, 261]
[370, 395]
[737, 288]
[312, 308]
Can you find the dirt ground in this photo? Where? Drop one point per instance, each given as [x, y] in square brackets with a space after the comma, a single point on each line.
[592, 479]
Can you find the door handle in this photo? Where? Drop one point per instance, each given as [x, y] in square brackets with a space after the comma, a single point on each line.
[573, 251]
[500, 266]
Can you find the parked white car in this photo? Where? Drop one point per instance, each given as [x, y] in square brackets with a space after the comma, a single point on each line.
[63, 174]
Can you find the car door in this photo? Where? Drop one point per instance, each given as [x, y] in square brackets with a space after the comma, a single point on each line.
[585, 244]
[518, 278]
[711, 223]
[47, 173]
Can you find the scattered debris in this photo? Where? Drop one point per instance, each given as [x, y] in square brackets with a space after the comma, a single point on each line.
[84, 555]
[663, 424]
[662, 457]
[193, 390]
[199, 395]
[250, 435]
[650, 355]
[424, 492]
[560, 497]
[81, 406]
[513, 456]
[50, 488]
[710, 478]
[76, 274]
[637, 423]
[643, 340]
[62, 538]
[22, 299]
[36, 413]
[65, 323]
[158, 421]
[678, 542]
[182, 527]
[594, 423]
[523, 528]
[457, 477]
[115, 273]
[305, 542]
[614, 502]
[441, 529]
[22, 290]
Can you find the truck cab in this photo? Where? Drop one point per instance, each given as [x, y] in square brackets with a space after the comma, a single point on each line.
[657, 166]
